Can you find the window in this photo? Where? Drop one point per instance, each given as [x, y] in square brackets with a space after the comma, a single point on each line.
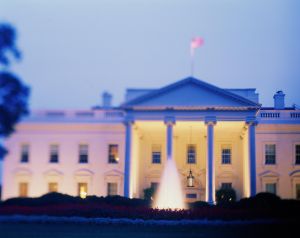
[298, 191]
[226, 186]
[156, 154]
[82, 190]
[297, 154]
[226, 155]
[191, 195]
[52, 187]
[154, 185]
[271, 188]
[113, 154]
[191, 154]
[112, 189]
[23, 189]
[24, 154]
[53, 154]
[83, 153]
[270, 154]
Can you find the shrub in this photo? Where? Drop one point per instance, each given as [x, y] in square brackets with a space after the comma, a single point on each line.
[225, 196]
[261, 200]
[198, 204]
[149, 193]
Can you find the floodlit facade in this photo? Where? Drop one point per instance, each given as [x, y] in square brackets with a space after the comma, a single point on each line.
[223, 137]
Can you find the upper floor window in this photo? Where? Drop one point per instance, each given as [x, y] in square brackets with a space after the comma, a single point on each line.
[297, 154]
[226, 155]
[83, 153]
[24, 153]
[54, 157]
[191, 154]
[113, 154]
[270, 154]
[156, 154]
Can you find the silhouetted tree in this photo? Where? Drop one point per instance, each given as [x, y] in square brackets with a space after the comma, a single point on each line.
[13, 93]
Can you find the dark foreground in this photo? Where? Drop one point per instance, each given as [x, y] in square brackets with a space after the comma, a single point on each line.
[32, 230]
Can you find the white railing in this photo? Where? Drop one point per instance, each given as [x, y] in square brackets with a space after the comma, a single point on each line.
[279, 114]
[98, 114]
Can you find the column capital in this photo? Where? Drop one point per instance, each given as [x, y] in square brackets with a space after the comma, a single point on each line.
[129, 120]
[210, 120]
[170, 121]
[251, 121]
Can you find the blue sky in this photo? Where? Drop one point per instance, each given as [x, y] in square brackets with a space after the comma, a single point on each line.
[74, 50]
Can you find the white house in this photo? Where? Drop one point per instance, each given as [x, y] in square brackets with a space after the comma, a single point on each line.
[223, 136]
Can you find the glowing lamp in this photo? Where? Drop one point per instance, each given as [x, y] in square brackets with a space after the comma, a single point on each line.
[190, 180]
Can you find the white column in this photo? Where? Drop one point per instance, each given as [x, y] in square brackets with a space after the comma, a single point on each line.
[169, 121]
[210, 173]
[252, 156]
[127, 166]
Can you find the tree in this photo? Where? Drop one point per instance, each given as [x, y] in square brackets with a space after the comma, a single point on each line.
[14, 93]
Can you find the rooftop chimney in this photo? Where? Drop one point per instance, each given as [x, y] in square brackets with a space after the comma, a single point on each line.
[106, 100]
[279, 100]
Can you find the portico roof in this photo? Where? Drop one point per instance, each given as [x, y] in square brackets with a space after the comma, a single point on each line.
[190, 94]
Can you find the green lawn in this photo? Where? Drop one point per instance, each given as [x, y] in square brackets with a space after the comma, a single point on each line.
[21, 230]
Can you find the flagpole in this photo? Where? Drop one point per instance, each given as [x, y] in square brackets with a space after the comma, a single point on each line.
[192, 62]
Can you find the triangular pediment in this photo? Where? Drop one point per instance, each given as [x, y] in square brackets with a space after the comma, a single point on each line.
[190, 93]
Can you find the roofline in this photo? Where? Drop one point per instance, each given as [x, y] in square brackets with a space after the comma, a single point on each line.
[194, 80]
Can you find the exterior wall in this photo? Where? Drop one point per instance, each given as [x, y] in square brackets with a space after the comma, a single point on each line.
[97, 173]
[68, 172]
[284, 172]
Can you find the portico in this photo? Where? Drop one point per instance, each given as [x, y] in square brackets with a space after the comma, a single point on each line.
[167, 117]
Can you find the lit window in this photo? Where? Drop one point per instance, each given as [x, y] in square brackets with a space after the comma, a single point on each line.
[52, 187]
[24, 154]
[23, 189]
[83, 153]
[270, 154]
[156, 154]
[113, 154]
[191, 154]
[112, 189]
[82, 190]
[226, 155]
[271, 188]
[297, 153]
[54, 153]
[226, 186]
[298, 191]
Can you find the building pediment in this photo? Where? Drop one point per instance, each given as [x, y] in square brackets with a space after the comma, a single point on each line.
[190, 93]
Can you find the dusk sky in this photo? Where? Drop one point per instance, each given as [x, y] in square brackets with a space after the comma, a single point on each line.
[74, 50]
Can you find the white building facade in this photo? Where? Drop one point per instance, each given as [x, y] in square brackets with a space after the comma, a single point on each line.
[223, 136]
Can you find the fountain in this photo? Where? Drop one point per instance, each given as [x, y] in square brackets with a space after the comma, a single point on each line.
[169, 195]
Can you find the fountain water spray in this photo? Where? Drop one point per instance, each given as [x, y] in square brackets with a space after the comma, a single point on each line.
[169, 195]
